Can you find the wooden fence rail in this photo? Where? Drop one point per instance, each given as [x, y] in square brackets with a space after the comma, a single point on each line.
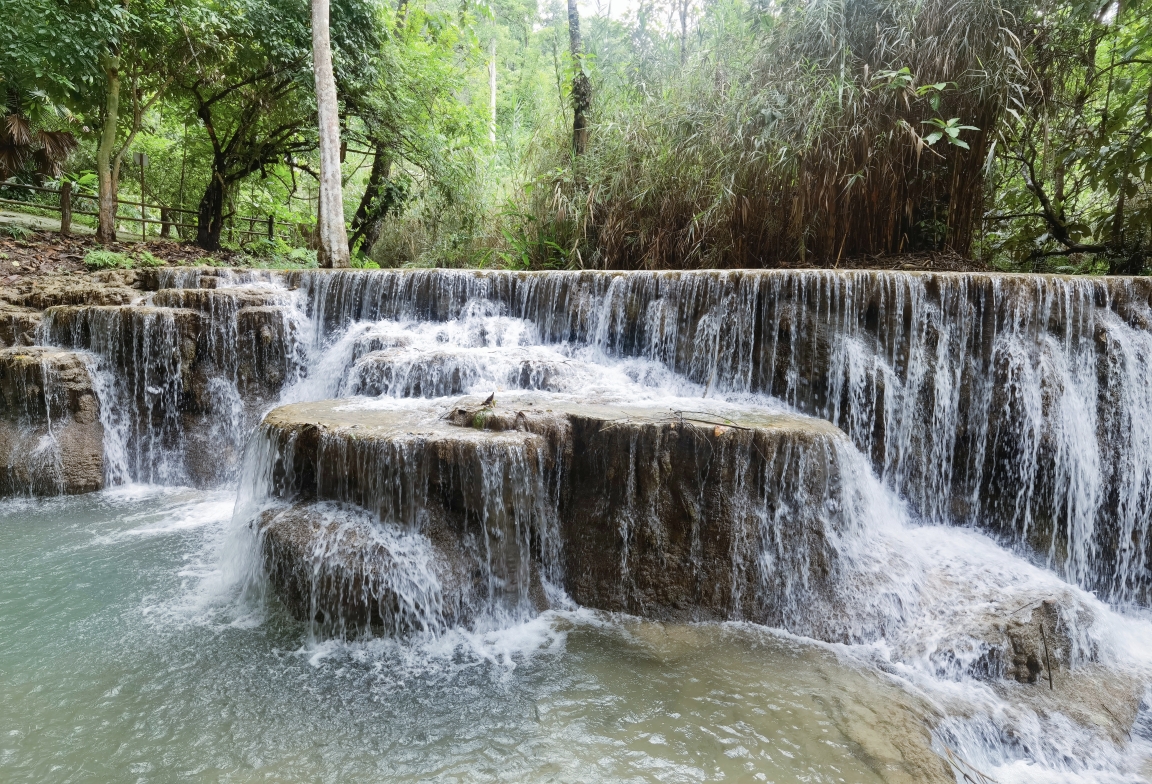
[66, 200]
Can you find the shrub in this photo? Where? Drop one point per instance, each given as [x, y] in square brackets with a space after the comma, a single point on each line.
[16, 232]
[146, 259]
[360, 261]
[301, 257]
[101, 259]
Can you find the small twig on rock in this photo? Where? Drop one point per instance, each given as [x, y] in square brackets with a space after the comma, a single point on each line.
[1047, 658]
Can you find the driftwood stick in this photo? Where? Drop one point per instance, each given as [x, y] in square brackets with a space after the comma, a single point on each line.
[1047, 658]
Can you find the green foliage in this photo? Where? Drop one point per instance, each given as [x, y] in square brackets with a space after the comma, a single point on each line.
[1071, 180]
[101, 259]
[56, 46]
[360, 261]
[16, 232]
[948, 130]
[146, 259]
[811, 134]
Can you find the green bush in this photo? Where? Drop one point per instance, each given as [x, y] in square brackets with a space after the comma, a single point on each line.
[360, 261]
[16, 232]
[146, 259]
[101, 259]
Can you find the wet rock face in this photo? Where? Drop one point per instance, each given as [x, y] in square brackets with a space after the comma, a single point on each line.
[625, 508]
[18, 325]
[51, 439]
[187, 366]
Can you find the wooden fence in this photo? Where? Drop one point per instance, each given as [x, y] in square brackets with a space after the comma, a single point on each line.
[67, 201]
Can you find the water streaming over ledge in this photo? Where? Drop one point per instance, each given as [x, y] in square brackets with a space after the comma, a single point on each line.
[1020, 406]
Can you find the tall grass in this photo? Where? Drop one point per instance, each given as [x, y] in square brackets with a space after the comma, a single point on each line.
[801, 134]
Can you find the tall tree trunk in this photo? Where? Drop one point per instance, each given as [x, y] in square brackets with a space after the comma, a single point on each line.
[581, 88]
[210, 219]
[373, 205]
[333, 239]
[106, 220]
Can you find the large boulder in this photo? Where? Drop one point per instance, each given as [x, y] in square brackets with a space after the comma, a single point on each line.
[51, 439]
[340, 568]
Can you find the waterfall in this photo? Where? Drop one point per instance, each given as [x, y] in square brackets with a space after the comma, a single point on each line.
[487, 562]
[1018, 404]
[184, 375]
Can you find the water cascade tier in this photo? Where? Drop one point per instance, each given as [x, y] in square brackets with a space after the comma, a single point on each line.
[677, 516]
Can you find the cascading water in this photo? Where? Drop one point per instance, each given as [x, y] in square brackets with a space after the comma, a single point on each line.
[1013, 403]
[1018, 406]
[184, 375]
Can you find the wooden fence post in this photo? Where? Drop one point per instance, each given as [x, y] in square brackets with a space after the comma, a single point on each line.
[271, 228]
[65, 208]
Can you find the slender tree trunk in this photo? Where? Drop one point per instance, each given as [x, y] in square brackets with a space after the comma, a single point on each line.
[581, 88]
[65, 208]
[373, 206]
[492, 95]
[683, 31]
[333, 245]
[106, 220]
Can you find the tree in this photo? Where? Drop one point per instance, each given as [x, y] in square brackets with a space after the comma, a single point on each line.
[247, 89]
[1076, 149]
[581, 86]
[68, 49]
[152, 44]
[333, 239]
[404, 104]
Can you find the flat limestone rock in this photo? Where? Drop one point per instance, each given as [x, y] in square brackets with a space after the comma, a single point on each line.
[51, 439]
[112, 287]
[634, 508]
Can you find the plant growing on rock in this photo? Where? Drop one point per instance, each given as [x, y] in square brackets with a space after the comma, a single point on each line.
[146, 259]
[101, 259]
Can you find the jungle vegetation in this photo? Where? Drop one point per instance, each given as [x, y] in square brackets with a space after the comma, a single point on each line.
[657, 134]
